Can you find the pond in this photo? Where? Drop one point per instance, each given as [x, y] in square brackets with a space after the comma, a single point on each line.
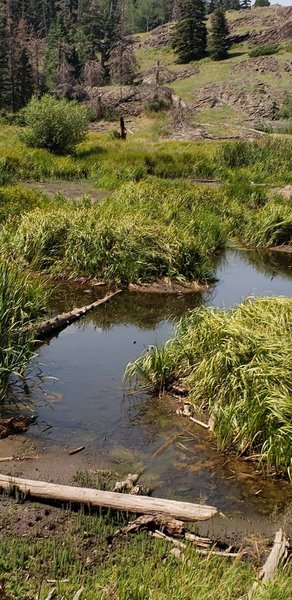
[81, 400]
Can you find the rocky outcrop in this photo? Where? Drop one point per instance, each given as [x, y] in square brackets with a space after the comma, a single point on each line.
[258, 101]
[262, 64]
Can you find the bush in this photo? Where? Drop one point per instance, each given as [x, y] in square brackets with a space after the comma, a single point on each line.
[58, 125]
[156, 105]
[264, 50]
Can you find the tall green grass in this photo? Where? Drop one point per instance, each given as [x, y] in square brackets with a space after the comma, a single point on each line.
[144, 232]
[238, 366]
[21, 301]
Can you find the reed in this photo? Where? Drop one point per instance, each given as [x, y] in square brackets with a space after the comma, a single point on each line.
[237, 365]
[21, 301]
[144, 232]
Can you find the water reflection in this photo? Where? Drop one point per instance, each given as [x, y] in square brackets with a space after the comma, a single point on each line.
[84, 398]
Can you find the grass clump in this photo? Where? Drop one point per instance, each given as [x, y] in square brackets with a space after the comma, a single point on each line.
[270, 226]
[21, 301]
[144, 232]
[237, 365]
[58, 125]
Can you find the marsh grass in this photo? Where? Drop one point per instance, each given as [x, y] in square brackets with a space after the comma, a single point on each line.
[143, 232]
[237, 365]
[21, 301]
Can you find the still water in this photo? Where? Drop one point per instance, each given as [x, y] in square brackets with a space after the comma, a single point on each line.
[79, 389]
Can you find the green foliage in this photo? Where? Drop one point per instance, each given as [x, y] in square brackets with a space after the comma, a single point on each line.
[219, 43]
[144, 232]
[21, 300]
[189, 39]
[156, 105]
[58, 125]
[236, 364]
[262, 3]
[264, 50]
[270, 226]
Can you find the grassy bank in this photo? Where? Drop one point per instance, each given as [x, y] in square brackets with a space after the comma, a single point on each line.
[84, 553]
[237, 366]
[21, 301]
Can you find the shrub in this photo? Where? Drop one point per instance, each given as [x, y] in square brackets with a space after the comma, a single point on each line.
[156, 105]
[58, 125]
[264, 50]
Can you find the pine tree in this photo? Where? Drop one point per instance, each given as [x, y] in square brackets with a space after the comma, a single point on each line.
[190, 35]
[219, 42]
[262, 3]
[4, 74]
[245, 4]
[24, 80]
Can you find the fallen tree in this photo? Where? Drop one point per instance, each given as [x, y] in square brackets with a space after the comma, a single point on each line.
[185, 511]
[65, 319]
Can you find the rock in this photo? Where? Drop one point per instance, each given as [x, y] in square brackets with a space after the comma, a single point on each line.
[257, 100]
[261, 64]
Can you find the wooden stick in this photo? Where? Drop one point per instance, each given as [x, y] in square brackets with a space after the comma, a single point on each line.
[76, 450]
[179, 544]
[277, 555]
[205, 425]
[11, 458]
[135, 504]
[66, 318]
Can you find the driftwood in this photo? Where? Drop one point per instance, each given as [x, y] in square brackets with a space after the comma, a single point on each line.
[76, 450]
[135, 504]
[277, 556]
[152, 522]
[19, 458]
[65, 319]
[182, 546]
[127, 484]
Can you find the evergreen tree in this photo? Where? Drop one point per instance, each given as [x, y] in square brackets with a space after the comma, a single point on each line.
[219, 41]
[24, 80]
[262, 3]
[4, 73]
[245, 4]
[190, 35]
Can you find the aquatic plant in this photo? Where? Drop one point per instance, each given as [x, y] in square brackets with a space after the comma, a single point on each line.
[237, 365]
[22, 300]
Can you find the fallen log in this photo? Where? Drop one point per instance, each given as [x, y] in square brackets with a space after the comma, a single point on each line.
[277, 556]
[185, 511]
[65, 319]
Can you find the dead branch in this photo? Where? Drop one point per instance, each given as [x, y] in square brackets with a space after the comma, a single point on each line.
[277, 556]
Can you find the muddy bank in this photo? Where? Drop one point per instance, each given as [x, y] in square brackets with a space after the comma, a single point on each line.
[165, 286]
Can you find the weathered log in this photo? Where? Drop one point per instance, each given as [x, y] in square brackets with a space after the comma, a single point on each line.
[65, 319]
[151, 522]
[135, 504]
[276, 557]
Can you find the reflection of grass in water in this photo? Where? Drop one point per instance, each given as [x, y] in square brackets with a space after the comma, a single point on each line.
[269, 263]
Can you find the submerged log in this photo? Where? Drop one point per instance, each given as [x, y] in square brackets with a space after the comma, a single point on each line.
[134, 504]
[65, 319]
